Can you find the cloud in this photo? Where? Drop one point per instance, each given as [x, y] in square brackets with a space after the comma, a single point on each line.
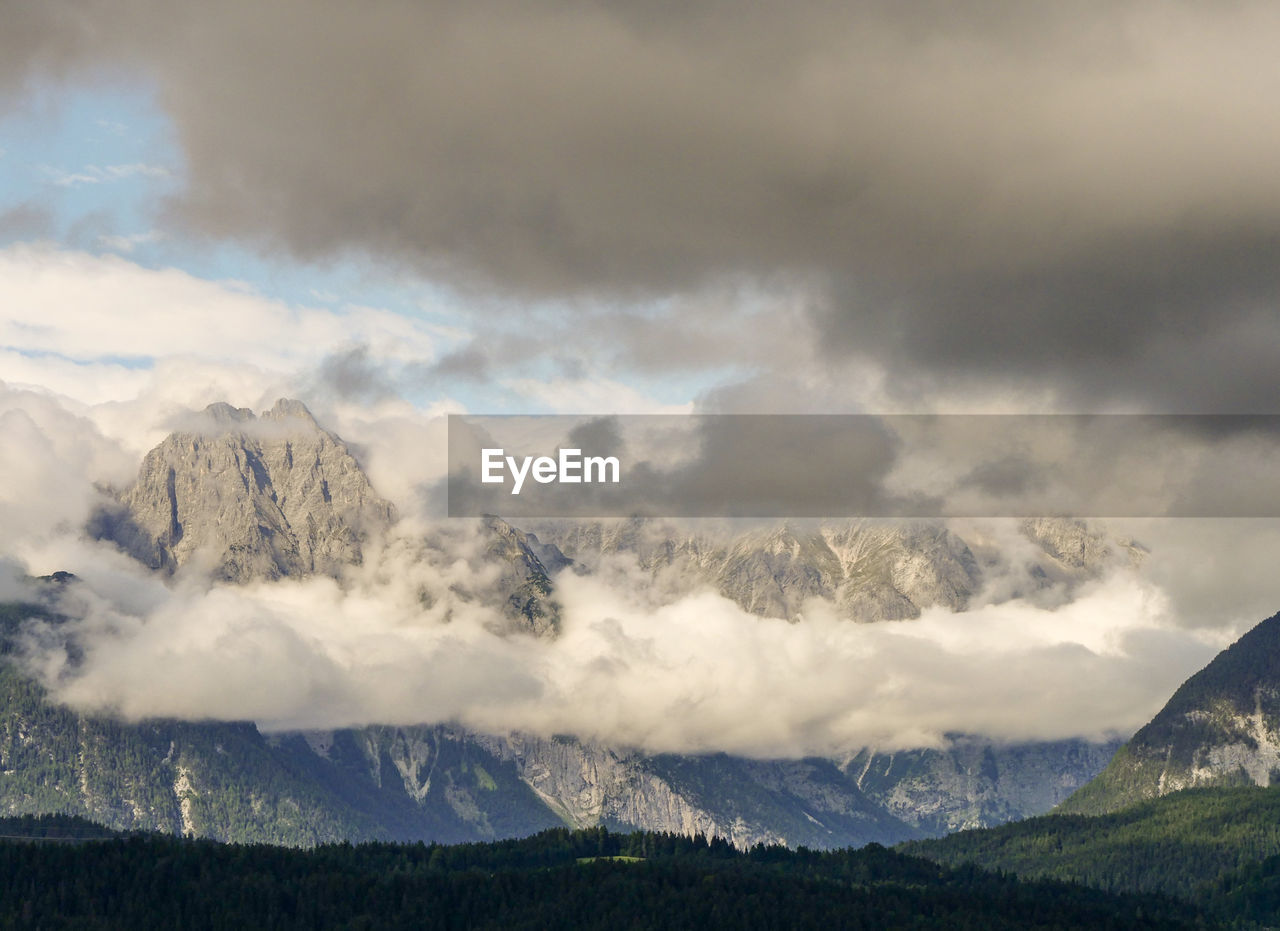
[26, 220]
[694, 674]
[1215, 572]
[103, 174]
[131, 347]
[51, 463]
[90, 307]
[406, 637]
[126, 243]
[470, 363]
[822, 465]
[1055, 206]
[1080, 197]
[588, 395]
[353, 374]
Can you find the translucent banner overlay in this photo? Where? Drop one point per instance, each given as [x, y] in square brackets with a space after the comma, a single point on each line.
[819, 465]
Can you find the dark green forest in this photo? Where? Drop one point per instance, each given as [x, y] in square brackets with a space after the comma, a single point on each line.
[66, 876]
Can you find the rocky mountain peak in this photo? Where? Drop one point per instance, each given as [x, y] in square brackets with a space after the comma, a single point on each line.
[287, 409]
[254, 497]
[222, 413]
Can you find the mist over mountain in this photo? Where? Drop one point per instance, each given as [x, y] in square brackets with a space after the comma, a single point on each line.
[870, 570]
[380, 655]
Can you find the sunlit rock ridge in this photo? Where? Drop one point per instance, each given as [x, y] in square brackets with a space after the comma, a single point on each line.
[257, 497]
[869, 570]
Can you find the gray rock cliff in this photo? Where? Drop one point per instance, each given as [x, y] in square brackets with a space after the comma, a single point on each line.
[255, 497]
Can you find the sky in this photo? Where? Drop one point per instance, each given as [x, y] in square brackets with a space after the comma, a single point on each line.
[401, 210]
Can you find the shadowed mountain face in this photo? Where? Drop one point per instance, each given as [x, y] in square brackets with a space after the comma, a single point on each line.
[258, 498]
[526, 576]
[1221, 727]
[974, 783]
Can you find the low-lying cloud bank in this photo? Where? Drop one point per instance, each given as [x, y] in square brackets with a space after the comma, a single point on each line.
[695, 674]
[684, 671]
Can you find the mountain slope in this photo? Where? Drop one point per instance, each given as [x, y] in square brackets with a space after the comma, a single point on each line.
[873, 571]
[1221, 727]
[1182, 844]
[793, 802]
[975, 783]
[227, 781]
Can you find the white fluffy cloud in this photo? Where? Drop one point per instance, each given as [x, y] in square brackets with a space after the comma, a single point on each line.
[696, 674]
[50, 464]
[104, 309]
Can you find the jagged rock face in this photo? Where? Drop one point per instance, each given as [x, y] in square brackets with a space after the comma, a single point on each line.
[1221, 727]
[1070, 542]
[873, 571]
[588, 784]
[884, 797]
[976, 784]
[746, 802]
[1076, 551]
[258, 497]
[526, 576]
[893, 571]
[277, 495]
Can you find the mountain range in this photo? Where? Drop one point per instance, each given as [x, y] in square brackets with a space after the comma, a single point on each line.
[248, 497]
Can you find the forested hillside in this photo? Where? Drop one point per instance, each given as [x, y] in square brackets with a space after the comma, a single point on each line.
[558, 878]
[1217, 847]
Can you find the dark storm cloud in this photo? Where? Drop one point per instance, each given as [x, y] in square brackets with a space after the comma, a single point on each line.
[354, 374]
[26, 220]
[470, 363]
[1080, 195]
[601, 435]
[819, 465]
[1008, 475]
[674, 466]
[1181, 319]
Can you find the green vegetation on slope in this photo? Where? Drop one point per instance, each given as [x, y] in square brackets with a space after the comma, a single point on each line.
[1187, 844]
[53, 827]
